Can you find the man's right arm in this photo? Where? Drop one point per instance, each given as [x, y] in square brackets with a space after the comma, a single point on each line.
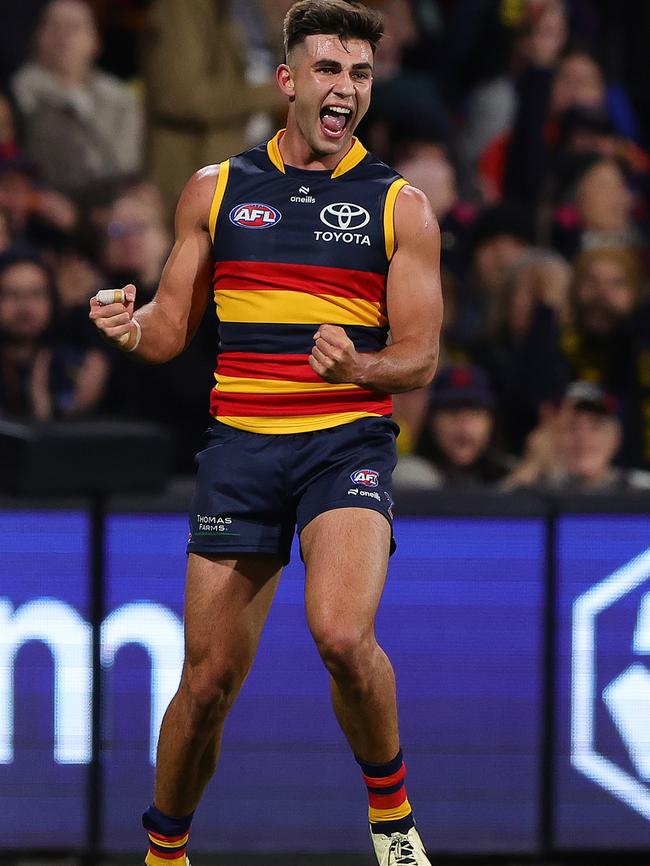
[169, 321]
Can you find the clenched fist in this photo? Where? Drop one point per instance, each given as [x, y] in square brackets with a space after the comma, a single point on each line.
[334, 357]
[114, 320]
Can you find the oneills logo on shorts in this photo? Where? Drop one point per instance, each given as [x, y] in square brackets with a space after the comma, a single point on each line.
[253, 215]
[367, 477]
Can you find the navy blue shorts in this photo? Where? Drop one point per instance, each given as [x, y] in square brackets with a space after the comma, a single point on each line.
[253, 490]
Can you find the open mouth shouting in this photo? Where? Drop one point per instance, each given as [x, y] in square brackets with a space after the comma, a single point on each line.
[334, 120]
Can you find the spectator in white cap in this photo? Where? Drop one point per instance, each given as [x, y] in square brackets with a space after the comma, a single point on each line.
[575, 448]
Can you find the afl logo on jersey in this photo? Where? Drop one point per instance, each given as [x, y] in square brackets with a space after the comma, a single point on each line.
[345, 216]
[367, 477]
[253, 215]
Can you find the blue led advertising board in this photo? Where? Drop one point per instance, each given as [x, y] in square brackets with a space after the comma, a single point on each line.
[45, 679]
[461, 619]
[603, 686]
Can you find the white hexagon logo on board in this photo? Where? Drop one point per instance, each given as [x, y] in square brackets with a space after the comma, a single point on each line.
[627, 697]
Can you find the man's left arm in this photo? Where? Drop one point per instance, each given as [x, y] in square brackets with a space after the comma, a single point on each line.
[414, 306]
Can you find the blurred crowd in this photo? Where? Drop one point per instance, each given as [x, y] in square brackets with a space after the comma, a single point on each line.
[526, 123]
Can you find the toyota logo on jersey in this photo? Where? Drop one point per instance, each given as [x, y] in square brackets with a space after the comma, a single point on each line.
[367, 477]
[252, 215]
[345, 216]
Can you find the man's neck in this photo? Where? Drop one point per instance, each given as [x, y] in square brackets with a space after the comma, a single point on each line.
[295, 151]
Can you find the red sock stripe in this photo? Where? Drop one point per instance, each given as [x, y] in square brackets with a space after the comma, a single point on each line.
[168, 855]
[387, 801]
[386, 781]
[162, 838]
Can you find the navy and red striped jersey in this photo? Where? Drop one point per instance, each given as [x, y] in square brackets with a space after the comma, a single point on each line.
[295, 249]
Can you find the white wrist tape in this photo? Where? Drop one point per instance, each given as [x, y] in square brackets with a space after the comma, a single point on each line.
[126, 337]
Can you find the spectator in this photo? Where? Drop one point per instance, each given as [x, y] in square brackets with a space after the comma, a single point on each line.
[81, 125]
[522, 352]
[478, 45]
[41, 377]
[134, 248]
[37, 215]
[199, 98]
[498, 237]
[607, 340]
[77, 279]
[551, 83]
[456, 448]
[574, 449]
[521, 100]
[401, 98]
[597, 207]
[136, 241]
[427, 165]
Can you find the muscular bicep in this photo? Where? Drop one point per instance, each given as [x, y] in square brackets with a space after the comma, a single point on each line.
[185, 284]
[413, 294]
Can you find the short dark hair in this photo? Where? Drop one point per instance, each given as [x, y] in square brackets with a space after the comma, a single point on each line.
[347, 19]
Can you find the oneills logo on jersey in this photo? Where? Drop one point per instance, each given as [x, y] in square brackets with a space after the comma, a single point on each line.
[253, 215]
[304, 197]
[367, 477]
[345, 220]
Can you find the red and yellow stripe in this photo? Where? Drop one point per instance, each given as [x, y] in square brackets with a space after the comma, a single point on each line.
[387, 800]
[280, 393]
[267, 292]
[166, 850]
[306, 279]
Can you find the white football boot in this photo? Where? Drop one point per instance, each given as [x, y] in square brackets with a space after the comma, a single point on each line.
[399, 849]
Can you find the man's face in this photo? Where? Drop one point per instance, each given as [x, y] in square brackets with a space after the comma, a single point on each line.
[462, 433]
[134, 234]
[493, 260]
[603, 199]
[604, 296]
[67, 39]
[431, 171]
[578, 82]
[330, 83]
[25, 303]
[588, 443]
[16, 196]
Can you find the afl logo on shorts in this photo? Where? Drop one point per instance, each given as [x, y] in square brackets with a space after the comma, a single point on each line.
[367, 477]
[252, 215]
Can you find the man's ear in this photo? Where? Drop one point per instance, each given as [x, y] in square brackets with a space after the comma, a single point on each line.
[284, 78]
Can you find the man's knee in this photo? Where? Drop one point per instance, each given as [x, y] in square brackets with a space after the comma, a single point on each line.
[210, 689]
[346, 652]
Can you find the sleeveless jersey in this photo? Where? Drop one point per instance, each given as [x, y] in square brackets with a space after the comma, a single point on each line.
[294, 249]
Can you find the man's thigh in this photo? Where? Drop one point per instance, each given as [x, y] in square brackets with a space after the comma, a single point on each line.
[226, 605]
[346, 555]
